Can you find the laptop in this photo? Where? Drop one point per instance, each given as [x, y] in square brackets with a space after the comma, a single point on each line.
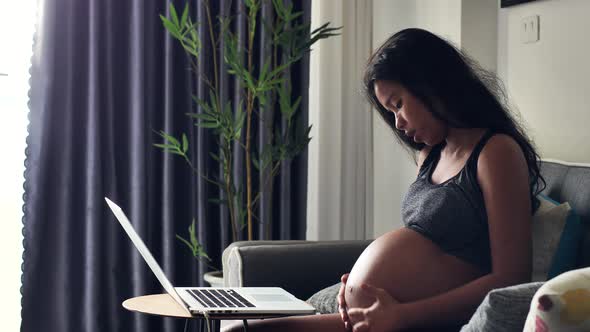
[237, 302]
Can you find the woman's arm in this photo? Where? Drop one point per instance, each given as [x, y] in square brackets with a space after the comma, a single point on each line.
[504, 181]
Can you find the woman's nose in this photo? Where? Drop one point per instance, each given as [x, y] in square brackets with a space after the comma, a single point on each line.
[400, 122]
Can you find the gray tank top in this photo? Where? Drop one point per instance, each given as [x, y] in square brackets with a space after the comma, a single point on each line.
[451, 214]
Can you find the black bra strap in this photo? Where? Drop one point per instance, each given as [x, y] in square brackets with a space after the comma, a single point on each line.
[432, 156]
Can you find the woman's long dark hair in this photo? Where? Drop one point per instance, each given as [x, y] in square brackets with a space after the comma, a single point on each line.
[465, 94]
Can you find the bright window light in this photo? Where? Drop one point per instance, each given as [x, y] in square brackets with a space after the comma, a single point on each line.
[16, 40]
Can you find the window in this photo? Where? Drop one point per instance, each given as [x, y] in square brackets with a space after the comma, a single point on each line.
[16, 40]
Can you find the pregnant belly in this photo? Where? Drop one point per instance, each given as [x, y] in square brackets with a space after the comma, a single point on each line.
[409, 266]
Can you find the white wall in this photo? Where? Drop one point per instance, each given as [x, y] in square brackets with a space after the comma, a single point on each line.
[479, 22]
[549, 80]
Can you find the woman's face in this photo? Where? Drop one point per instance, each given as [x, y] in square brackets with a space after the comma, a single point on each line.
[411, 115]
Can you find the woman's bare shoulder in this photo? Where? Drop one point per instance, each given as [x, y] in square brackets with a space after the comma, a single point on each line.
[501, 148]
[502, 160]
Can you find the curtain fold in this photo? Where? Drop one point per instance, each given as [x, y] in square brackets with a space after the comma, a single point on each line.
[105, 77]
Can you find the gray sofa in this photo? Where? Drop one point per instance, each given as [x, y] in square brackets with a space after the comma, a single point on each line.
[306, 267]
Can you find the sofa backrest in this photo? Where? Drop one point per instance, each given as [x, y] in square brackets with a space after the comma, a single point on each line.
[571, 183]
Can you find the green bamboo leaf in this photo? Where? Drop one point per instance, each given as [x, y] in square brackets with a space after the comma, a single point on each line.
[169, 138]
[204, 254]
[279, 69]
[279, 8]
[262, 100]
[247, 79]
[203, 116]
[165, 146]
[296, 15]
[203, 104]
[186, 242]
[191, 231]
[208, 124]
[195, 38]
[296, 104]
[184, 15]
[173, 14]
[241, 118]
[213, 100]
[321, 28]
[256, 164]
[217, 201]
[192, 52]
[277, 81]
[172, 29]
[327, 30]
[184, 143]
[169, 150]
[284, 103]
[263, 72]
[215, 157]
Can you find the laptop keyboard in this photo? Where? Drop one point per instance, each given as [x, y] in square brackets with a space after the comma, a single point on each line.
[220, 298]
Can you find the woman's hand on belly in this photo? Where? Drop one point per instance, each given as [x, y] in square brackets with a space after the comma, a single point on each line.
[382, 316]
[342, 308]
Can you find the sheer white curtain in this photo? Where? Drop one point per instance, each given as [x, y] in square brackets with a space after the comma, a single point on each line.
[16, 40]
[339, 204]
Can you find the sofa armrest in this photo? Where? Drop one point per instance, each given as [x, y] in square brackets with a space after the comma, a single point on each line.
[300, 267]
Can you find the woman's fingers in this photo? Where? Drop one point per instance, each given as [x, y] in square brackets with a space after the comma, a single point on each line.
[343, 314]
[342, 308]
[341, 291]
[344, 277]
[357, 314]
[340, 296]
[379, 294]
[360, 327]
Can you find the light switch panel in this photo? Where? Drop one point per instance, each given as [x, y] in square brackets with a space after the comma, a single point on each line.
[529, 29]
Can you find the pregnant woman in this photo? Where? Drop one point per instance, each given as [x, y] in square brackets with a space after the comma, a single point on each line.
[468, 214]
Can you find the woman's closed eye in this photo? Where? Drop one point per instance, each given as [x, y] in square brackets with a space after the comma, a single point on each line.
[395, 107]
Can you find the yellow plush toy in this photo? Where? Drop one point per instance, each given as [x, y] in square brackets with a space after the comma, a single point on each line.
[562, 304]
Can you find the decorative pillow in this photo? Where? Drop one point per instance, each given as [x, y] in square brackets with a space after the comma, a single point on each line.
[556, 232]
[561, 304]
[325, 301]
[567, 254]
[503, 309]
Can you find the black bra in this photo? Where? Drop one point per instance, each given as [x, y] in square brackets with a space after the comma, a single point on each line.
[452, 214]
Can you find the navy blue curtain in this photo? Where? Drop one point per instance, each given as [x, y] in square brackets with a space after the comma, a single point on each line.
[105, 75]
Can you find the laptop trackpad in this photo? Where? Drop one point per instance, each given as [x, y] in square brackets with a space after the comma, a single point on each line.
[270, 297]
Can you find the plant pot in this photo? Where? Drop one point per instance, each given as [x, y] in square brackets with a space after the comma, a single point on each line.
[214, 278]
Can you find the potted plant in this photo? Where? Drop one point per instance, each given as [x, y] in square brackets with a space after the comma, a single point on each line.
[266, 88]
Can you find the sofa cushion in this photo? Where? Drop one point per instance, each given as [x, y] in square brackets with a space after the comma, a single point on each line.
[547, 226]
[562, 304]
[503, 309]
[325, 301]
[567, 182]
[566, 255]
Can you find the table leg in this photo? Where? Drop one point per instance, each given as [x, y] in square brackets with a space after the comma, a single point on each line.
[245, 325]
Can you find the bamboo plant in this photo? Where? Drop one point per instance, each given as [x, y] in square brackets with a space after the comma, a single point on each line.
[265, 88]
